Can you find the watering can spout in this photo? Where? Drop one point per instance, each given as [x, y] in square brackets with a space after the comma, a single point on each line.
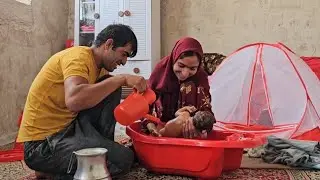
[134, 107]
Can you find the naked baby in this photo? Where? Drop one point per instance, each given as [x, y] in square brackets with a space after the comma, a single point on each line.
[202, 121]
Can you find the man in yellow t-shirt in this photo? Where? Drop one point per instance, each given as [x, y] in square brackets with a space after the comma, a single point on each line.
[71, 101]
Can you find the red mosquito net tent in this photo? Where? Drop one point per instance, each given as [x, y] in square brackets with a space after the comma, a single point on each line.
[313, 63]
[266, 89]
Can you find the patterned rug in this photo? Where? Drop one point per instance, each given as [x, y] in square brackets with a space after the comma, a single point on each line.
[140, 173]
[240, 174]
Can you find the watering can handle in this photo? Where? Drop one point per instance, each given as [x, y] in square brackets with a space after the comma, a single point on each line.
[70, 166]
[149, 95]
[134, 90]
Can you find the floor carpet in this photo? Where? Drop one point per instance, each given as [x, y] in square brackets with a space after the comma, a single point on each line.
[18, 170]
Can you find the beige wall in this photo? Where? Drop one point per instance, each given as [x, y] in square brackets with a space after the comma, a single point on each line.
[223, 26]
[71, 19]
[30, 31]
[29, 34]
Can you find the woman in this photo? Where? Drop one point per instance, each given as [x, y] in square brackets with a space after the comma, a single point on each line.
[179, 80]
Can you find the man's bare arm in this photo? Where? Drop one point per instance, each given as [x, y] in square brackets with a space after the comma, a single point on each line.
[80, 95]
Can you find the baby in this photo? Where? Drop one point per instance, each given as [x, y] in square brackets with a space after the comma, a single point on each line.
[202, 121]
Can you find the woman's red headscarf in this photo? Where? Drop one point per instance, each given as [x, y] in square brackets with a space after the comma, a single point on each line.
[166, 84]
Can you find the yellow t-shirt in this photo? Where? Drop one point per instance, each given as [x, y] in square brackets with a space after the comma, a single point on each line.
[45, 111]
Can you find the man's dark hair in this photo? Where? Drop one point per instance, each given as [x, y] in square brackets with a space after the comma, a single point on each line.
[121, 35]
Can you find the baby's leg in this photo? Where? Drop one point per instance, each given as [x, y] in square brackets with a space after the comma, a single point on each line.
[162, 131]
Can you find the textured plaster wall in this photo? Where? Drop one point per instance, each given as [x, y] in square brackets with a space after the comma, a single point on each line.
[71, 19]
[30, 32]
[223, 26]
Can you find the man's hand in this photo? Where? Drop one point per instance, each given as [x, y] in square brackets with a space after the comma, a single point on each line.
[136, 82]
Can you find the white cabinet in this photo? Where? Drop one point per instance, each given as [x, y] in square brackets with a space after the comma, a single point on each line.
[143, 16]
[108, 10]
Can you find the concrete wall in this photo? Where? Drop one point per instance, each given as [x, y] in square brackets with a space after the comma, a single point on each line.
[223, 26]
[71, 19]
[30, 32]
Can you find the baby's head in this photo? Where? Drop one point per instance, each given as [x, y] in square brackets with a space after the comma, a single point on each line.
[203, 120]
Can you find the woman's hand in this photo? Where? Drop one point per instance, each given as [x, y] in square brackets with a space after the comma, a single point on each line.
[189, 109]
[189, 131]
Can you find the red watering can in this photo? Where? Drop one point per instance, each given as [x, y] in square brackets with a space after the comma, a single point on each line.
[135, 107]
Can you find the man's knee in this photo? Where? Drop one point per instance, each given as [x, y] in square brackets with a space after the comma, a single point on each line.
[35, 154]
[126, 159]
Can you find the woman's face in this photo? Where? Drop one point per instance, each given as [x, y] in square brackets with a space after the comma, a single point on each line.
[186, 67]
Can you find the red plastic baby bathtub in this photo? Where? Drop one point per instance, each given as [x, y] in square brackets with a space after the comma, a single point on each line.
[205, 158]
